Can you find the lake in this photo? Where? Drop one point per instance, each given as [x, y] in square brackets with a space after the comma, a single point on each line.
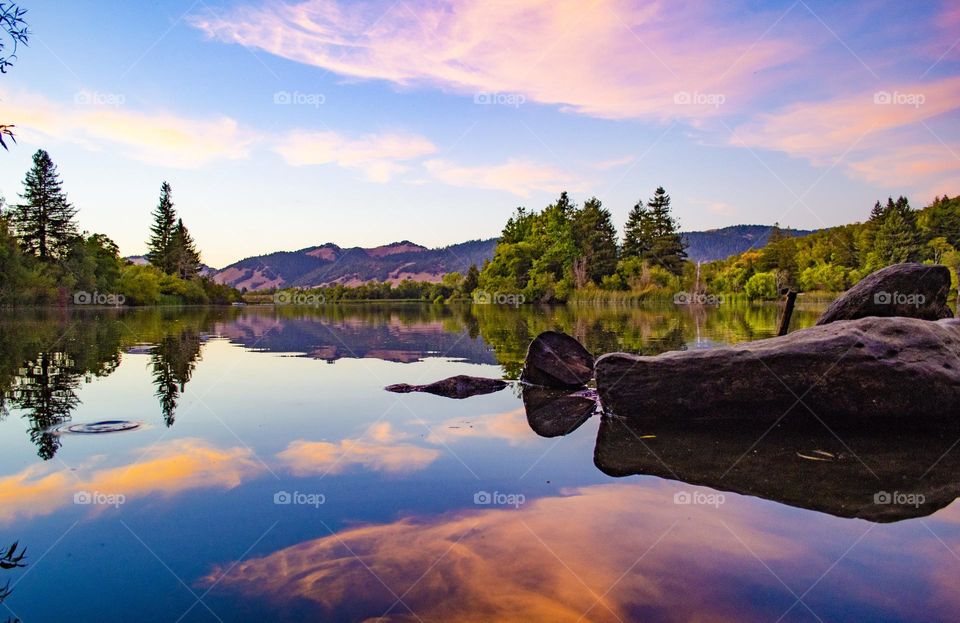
[256, 470]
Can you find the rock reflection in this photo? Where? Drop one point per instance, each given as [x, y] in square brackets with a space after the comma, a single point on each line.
[553, 412]
[866, 474]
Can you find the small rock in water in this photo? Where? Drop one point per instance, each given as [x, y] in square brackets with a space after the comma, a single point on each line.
[555, 359]
[460, 386]
[908, 290]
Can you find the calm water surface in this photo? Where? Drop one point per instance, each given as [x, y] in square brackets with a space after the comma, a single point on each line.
[272, 479]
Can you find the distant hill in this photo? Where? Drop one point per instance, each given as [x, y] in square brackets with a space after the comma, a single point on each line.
[330, 264]
[141, 260]
[718, 244]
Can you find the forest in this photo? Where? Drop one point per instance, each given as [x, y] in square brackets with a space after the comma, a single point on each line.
[46, 260]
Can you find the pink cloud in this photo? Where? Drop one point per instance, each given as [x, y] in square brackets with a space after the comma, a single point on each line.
[615, 59]
[378, 156]
[518, 176]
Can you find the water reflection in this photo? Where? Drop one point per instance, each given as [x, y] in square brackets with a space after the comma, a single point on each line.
[166, 468]
[614, 552]
[878, 475]
[173, 361]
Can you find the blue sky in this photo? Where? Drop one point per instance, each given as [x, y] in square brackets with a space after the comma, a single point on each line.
[282, 125]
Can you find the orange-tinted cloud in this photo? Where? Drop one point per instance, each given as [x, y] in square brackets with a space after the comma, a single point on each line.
[606, 58]
[165, 469]
[517, 176]
[378, 156]
[380, 450]
[605, 553]
[510, 426]
[99, 121]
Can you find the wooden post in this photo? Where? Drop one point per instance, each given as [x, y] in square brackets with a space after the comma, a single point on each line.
[787, 312]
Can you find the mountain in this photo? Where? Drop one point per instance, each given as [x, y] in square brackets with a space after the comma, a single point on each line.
[718, 244]
[330, 264]
[141, 260]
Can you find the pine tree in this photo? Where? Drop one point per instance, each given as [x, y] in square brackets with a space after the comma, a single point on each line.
[472, 280]
[667, 247]
[897, 238]
[160, 246]
[636, 233]
[44, 222]
[183, 254]
[596, 240]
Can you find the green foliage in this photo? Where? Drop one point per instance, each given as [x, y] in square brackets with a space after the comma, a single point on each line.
[44, 221]
[834, 259]
[761, 286]
[546, 255]
[160, 248]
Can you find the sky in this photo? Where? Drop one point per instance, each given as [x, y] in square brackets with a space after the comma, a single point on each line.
[283, 124]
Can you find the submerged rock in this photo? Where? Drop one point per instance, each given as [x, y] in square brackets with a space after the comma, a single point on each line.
[865, 473]
[907, 290]
[460, 386]
[555, 359]
[872, 369]
[557, 412]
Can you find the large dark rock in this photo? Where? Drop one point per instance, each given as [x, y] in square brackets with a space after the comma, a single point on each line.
[908, 290]
[460, 386]
[865, 473]
[557, 360]
[557, 412]
[872, 369]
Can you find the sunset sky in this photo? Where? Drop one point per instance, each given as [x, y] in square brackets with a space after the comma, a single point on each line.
[287, 124]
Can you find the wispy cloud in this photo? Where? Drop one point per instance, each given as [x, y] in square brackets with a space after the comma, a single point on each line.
[101, 121]
[517, 176]
[378, 156]
[611, 58]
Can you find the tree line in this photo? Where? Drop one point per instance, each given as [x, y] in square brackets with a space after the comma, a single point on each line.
[45, 259]
[836, 258]
[549, 255]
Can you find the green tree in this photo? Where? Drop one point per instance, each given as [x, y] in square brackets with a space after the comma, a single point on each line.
[596, 241]
[184, 255]
[637, 234]
[666, 245]
[160, 247]
[44, 221]
[471, 281]
[897, 238]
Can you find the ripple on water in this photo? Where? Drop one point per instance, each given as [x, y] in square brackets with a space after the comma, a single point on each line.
[97, 428]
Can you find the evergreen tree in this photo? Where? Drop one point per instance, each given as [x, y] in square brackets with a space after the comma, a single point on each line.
[160, 248]
[596, 240]
[666, 245]
[897, 239]
[44, 222]
[472, 280]
[184, 256]
[636, 233]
